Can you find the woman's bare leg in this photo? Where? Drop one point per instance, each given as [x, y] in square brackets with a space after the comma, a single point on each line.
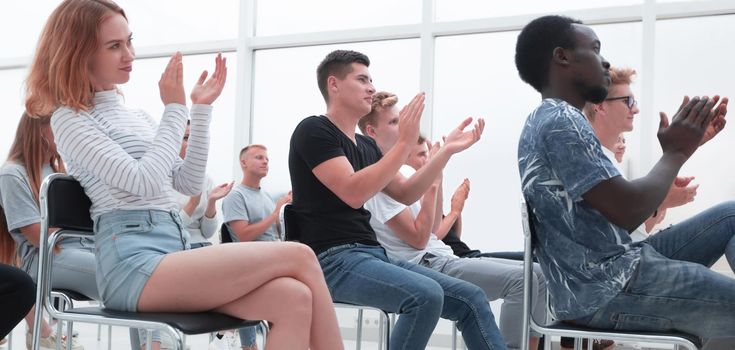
[291, 320]
[232, 271]
[45, 328]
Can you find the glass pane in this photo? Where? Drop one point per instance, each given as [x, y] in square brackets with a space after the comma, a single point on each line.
[169, 21]
[285, 91]
[694, 57]
[21, 24]
[475, 75]
[455, 10]
[142, 92]
[294, 16]
[11, 87]
[152, 22]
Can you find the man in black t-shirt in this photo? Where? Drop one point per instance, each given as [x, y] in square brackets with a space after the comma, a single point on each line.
[334, 171]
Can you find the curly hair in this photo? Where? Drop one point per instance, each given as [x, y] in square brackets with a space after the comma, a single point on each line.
[381, 101]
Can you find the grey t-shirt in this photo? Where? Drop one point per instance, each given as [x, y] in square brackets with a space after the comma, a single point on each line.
[20, 207]
[251, 205]
[587, 260]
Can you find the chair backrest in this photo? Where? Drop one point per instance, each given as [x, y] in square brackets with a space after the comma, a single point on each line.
[290, 228]
[68, 205]
[225, 236]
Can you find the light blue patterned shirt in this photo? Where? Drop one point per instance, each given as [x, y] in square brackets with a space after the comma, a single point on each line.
[587, 260]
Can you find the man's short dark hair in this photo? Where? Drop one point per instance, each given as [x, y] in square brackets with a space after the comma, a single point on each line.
[337, 63]
[536, 44]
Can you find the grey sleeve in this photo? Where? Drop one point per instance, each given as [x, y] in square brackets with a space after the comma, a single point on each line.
[234, 207]
[18, 203]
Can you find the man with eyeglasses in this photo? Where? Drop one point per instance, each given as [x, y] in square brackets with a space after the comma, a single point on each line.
[614, 116]
[583, 210]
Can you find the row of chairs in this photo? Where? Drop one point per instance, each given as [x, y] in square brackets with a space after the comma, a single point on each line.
[64, 205]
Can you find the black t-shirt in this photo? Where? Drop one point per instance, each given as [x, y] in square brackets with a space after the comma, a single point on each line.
[321, 218]
[459, 248]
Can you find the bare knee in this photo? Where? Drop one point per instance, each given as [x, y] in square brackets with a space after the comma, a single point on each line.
[296, 300]
[304, 258]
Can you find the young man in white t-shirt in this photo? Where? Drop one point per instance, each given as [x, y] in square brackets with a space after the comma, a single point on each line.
[407, 232]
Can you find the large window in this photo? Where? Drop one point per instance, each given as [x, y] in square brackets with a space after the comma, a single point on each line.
[285, 91]
[276, 17]
[142, 92]
[475, 76]
[454, 10]
[692, 58]
[11, 90]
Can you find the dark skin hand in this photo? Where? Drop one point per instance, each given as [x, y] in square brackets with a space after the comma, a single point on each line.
[629, 203]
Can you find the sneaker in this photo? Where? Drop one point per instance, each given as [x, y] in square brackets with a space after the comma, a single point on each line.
[54, 322]
[597, 344]
[219, 344]
[49, 343]
[232, 341]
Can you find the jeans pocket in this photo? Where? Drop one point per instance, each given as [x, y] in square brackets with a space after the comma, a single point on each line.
[127, 240]
[627, 322]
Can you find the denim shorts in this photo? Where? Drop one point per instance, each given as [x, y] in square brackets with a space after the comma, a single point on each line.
[130, 244]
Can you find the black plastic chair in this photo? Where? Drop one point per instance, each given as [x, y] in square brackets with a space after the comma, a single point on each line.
[65, 205]
[224, 234]
[291, 233]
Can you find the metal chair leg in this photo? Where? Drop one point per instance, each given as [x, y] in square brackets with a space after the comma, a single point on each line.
[149, 340]
[577, 344]
[69, 334]
[381, 328]
[58, 324]
[109, 337]
[454, 335]
[358, 336]
[388, 327]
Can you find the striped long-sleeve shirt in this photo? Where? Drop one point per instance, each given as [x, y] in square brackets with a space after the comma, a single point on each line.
[125, 161]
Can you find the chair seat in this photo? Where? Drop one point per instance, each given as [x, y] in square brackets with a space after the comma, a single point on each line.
[188, 323]
[558, 325]
[73, 295]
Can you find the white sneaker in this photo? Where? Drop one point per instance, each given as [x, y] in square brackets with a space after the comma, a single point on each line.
[219, 344]
[49, 343]
[232, 341]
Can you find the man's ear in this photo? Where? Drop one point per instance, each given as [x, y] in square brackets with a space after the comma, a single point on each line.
[370, 130]
[600, 108]
[332, 84]
[560, 56]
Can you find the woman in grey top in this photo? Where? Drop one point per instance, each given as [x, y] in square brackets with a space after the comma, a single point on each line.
[32, 157]
[129, 165]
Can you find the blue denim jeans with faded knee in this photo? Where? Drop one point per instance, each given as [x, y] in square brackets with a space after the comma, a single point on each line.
[673, 287]
[363, 275]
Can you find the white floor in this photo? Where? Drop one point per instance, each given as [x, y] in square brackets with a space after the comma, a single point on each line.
[120, 339]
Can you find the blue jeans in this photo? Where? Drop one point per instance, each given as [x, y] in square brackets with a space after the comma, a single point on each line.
[247, 336]
[362, 275]
[673, 288]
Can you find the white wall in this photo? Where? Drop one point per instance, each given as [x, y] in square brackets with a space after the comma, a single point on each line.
[473, 75]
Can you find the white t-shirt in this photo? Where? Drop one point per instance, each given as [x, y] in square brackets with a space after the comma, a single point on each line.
[383, 208]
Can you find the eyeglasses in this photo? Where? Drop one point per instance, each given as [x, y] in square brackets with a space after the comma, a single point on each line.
[629, 100]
